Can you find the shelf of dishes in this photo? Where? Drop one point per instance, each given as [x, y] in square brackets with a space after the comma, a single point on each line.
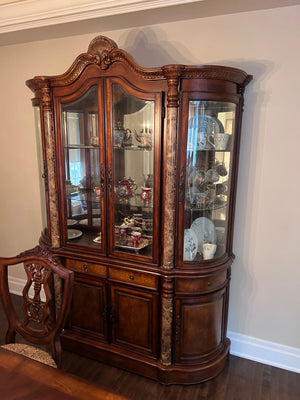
[205, 239]
[94, 146]
[206, 190]
[133, 233]
[136, 201]
[80, 146]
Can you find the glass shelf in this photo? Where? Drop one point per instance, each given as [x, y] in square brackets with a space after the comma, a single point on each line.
[81, 146]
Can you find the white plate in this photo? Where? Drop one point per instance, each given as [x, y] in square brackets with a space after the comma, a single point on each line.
[202, 124]
[205, 231]
[74, 233]
[206, 123]
[96, 221]
[190, 245]
[71, 222]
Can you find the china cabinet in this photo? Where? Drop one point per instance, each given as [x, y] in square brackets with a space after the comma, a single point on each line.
[139, 174]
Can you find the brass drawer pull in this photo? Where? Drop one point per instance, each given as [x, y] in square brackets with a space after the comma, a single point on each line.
[131, 277]
[208, 283]
[85, 267]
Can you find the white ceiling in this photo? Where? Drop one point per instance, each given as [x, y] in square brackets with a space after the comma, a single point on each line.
[19, 15]
[29, 20]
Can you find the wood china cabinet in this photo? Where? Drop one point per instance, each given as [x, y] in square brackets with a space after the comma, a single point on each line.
[139, 173]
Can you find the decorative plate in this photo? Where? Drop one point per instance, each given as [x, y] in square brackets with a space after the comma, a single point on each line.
[71, 222]
[96, 221]
[205, 231]
[74, 233]
[200, 127]
[190, 245]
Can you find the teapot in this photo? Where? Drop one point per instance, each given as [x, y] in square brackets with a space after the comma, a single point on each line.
[144, 138]
[127, 139]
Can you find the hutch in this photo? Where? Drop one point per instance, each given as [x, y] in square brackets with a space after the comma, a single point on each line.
[139, 173]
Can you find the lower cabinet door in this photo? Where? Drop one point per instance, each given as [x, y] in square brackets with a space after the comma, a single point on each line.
[134, 318]
[89, 310]
[199, 327]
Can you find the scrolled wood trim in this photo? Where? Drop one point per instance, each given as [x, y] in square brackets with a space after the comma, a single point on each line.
[217, 72]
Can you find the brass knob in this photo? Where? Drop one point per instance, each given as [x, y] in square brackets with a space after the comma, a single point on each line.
[208, 283]
[131, 277]
[85, 267]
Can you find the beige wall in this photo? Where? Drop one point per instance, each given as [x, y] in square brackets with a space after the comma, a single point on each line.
[266, 277]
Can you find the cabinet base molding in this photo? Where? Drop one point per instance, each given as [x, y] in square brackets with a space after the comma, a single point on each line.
[153, 369]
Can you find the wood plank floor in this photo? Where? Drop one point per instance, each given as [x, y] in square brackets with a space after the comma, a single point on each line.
[241, 380]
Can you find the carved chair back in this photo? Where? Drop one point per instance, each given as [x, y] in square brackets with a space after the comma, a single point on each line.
[47, 298]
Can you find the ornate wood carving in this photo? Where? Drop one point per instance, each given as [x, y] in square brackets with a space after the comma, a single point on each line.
[217, 72]
[173, 73]
[34, 309]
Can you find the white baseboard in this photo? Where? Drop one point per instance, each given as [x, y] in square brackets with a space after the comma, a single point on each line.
[248, 347]
[265, 352]
[16, 285]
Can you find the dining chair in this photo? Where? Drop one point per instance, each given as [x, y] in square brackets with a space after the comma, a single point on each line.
[47, 296]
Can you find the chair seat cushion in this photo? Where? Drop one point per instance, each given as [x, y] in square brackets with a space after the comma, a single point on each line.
[31, 352]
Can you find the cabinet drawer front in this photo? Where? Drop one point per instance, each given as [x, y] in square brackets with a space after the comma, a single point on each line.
[133, 277]
[85, 267]
[201, 285]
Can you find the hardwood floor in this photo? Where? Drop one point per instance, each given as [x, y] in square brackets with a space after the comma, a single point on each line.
[241, 380]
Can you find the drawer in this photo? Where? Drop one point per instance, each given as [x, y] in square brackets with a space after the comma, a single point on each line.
[201, 285]
[134, 278]
[86, 267]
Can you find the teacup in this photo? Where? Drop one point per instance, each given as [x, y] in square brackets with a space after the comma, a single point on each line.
[136, 236]
[209, 250]
[220, 140]
[146, 194]
[123, 230]
[202, 141]
[94, 140]
[97, 191]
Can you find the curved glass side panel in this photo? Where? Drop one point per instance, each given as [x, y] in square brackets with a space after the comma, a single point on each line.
[79, 121]
[133, 167]
[41, 166]
[208, 161]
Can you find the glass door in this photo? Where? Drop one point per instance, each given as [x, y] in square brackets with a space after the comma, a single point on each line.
[134, 142]
[83, 172]
[206, 173]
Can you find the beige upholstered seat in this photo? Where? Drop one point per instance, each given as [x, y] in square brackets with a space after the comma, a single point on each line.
[41, 321]
[31, 352]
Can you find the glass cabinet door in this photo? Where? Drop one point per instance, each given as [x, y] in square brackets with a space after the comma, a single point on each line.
[206, 162]
[82, 186]
[134, 130]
